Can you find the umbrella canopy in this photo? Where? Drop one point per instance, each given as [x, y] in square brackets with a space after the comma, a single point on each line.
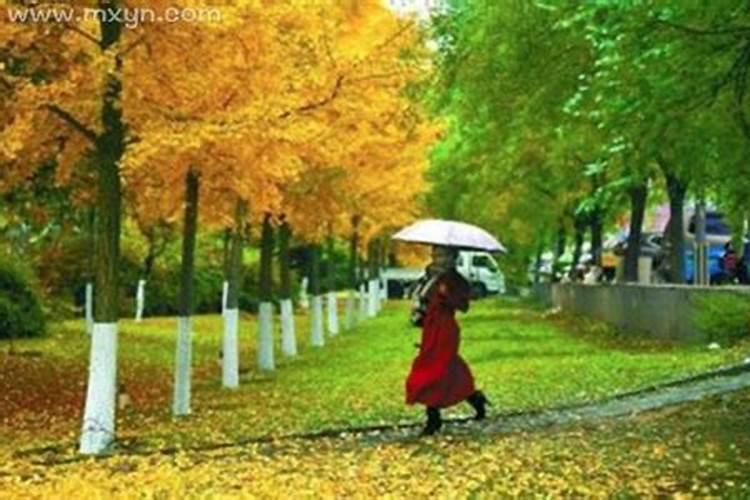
[451, 234]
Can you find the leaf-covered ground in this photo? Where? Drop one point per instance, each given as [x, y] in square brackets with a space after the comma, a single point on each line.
[521, 358]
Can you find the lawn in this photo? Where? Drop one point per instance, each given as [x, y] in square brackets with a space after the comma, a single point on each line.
[520, 357]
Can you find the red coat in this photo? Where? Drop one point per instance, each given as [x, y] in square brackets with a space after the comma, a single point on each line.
[439, 377]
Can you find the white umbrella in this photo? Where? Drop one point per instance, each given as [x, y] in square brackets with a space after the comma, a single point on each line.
[450, 233]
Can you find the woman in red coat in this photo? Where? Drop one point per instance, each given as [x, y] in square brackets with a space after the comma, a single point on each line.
[439, 378]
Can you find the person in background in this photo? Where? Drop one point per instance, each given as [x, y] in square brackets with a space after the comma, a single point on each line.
[728, 262]
[439, 377]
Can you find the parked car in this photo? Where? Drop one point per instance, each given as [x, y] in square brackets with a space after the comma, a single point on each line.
[615, 248]
[479, 268]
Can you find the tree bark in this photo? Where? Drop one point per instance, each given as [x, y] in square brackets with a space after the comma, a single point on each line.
[288, 336]
[700, 251]
[332, 300]
[314, 284]
[226, 251]
[265, 308]
[230, 354]
[638, 195]
[559, 248]
[234, 275]
[189, 233]
[316, 313]
[285, 274]
[538, 263]
[353, 255]
[596, 223]
[266, 260]
[98, 430]
[580, 229]
[676, 189]
[328, 278]
[183, 354]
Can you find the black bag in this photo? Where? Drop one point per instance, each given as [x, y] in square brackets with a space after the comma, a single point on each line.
[419, 299]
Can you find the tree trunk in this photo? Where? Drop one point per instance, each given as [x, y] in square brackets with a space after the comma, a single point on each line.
[230, 354]
[98, 430]
[316, 307]
[288, 337]
[351, 315]
[140, 299]
[596, 225]
[559, 249]
[538, 263]
[90, 271]
[580, 229]
[150, 259]
[265, 308]
[183, 354]
[676, 189]
[226, 258]
[638, 195]
[701, 273]
[382, 263]
[372, 284]
[332, 302]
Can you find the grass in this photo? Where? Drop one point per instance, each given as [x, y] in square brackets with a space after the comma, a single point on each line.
[520, 358]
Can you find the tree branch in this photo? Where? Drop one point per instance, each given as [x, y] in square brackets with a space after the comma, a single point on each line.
[735, 30]
[317, 104]
[70, 120]
[85, 34]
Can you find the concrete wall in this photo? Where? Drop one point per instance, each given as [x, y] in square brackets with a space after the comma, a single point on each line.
[660, 311]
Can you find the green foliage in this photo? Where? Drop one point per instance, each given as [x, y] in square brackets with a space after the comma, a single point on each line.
[723, 317]
[555, 111]
[20, 311]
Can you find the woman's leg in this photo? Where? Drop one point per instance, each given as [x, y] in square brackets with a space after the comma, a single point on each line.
[479, 402]
[434, 422]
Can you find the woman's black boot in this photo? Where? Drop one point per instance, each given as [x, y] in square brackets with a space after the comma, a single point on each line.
[479, 402]
[434, 422]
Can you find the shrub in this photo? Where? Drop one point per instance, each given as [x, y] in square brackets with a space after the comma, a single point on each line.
[20, 311]
[723, 317]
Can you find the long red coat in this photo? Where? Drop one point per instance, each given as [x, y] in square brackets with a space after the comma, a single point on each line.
[439, 377]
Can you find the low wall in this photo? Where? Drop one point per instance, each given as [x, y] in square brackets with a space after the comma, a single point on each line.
[660, 311]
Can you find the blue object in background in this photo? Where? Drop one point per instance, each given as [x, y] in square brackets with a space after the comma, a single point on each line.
[715, 253]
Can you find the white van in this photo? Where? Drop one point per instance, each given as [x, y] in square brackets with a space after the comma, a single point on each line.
[479, 268]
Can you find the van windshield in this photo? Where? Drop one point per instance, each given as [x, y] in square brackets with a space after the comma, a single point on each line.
[483, 261]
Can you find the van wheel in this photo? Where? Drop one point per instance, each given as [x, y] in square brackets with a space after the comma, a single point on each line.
[478, 290]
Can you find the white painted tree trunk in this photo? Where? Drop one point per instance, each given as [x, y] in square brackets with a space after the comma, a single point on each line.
[288, 337]
[183, 355]
[316, 322]
[364, 300]
[230, 366]
[224, 295]
[98, 430]
[383, 292]
[90, 308]
[140, 298]
[372, 296]
[333, 314]
[304, 301]
[350, 315]
[265, 336]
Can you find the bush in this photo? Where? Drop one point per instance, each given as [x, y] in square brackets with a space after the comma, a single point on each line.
[20, 311]
[723, 317]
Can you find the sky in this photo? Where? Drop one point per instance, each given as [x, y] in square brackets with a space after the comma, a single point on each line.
[420, 7]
